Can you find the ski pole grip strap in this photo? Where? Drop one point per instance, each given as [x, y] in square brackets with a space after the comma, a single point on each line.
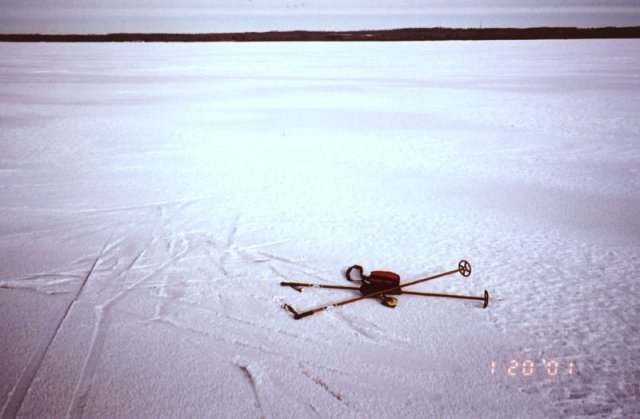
[356, 268]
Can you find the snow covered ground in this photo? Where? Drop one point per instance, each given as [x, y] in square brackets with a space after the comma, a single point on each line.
[153, 196]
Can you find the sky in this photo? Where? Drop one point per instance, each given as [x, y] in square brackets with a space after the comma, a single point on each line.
[188, 16]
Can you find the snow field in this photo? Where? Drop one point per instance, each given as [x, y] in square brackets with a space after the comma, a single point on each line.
[154, 196]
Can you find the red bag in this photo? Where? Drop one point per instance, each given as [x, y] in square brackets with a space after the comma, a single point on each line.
[376, 281]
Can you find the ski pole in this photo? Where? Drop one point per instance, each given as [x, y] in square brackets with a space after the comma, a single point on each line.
[485, 298]
[463, 267]
[299, 285]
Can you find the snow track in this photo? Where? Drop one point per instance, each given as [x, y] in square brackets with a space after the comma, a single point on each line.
[145, 230]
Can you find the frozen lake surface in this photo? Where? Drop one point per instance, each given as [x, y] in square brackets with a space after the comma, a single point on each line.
[153, 196]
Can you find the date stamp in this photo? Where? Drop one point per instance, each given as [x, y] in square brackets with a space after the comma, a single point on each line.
[532, 368]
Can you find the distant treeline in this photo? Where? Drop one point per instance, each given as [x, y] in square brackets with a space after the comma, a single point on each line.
[418, 34]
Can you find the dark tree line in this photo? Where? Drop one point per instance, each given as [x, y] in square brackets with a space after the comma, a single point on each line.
[411, 34]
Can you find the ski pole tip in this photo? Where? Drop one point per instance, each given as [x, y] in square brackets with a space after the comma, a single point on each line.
[486, 299]
[290, 309]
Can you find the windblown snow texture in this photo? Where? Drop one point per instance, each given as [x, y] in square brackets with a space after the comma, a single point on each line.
[154, 197]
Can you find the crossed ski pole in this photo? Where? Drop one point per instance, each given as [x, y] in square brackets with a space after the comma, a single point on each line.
[298, 286]
[464, 268]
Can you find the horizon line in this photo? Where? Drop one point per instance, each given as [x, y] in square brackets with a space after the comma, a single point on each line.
[397, 34]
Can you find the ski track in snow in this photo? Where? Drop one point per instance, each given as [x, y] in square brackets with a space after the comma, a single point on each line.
[119, 289]
[101, 328]
[200, 264]
[324, 386]
[254, 383]
[16, 397]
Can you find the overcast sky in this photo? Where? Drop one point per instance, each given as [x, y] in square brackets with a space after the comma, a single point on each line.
[107, 16]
